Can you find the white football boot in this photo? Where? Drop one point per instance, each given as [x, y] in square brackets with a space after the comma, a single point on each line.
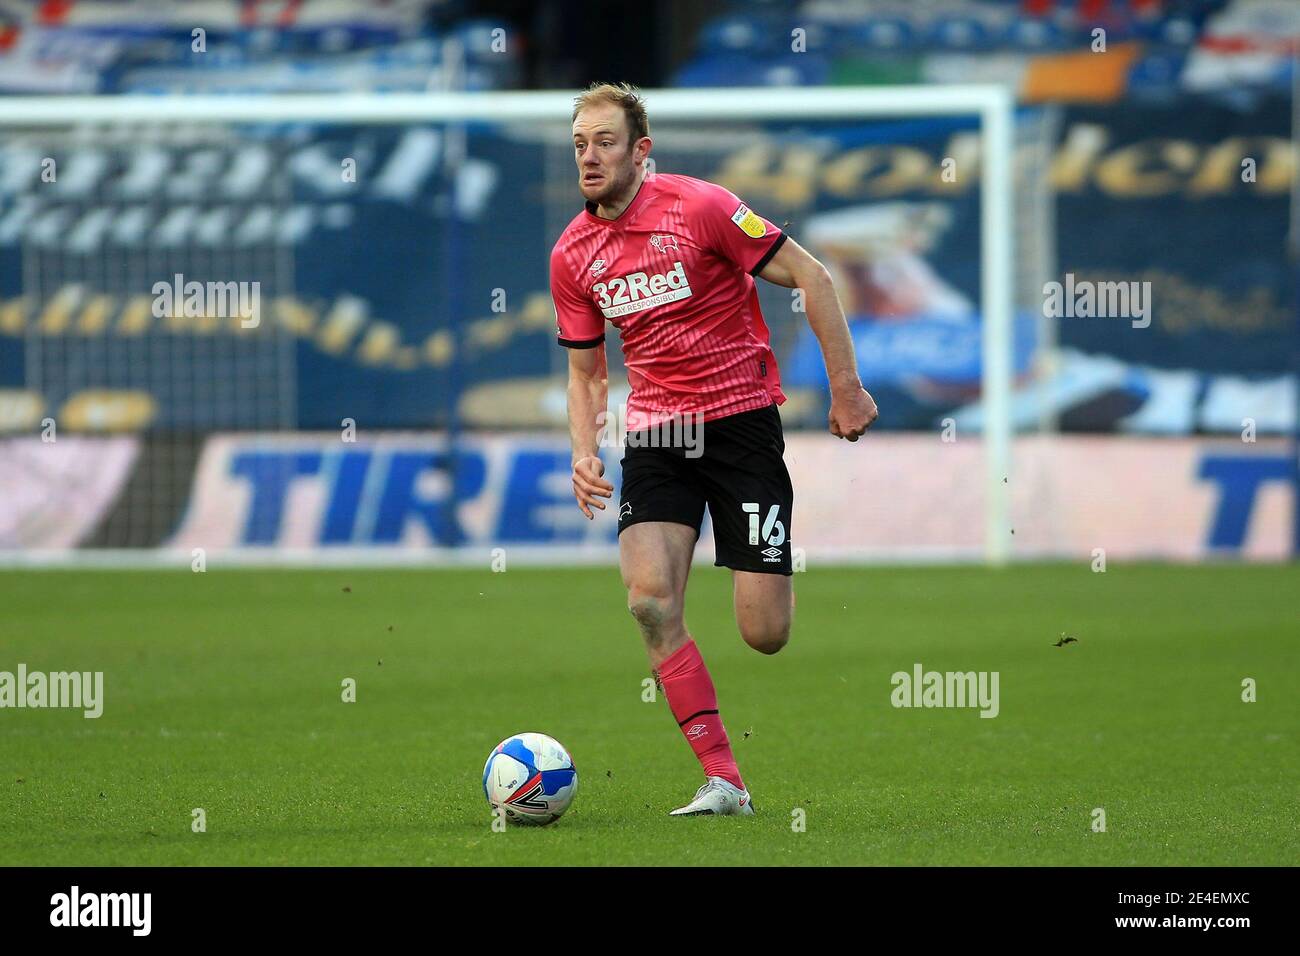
[717, 798]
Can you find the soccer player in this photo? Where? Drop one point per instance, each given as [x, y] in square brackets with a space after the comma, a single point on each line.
[668, 261]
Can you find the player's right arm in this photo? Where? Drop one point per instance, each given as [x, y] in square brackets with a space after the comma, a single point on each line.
[581, 330]
[588, 398]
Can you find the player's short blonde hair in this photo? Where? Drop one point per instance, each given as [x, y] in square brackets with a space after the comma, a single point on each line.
[623, 95]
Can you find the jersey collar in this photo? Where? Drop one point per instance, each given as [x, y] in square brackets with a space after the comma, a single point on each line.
[625, 215]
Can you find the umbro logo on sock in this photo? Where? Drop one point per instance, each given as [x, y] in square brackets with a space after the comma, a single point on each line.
[697, 731]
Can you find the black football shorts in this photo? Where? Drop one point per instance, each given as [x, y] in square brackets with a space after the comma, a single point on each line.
[738, 473]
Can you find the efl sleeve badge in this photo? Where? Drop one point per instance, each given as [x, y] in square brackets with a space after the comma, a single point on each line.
[750, 224]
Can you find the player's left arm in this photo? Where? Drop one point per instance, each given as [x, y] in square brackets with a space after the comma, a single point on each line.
[852, 407]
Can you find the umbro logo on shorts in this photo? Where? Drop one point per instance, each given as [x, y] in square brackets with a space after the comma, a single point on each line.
[625, 510]
[771, 554]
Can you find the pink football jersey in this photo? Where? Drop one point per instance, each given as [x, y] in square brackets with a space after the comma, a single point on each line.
[673, 273]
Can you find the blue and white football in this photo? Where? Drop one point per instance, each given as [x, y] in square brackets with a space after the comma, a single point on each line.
[531, 777]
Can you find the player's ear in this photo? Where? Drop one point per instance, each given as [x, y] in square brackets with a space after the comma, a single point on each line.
[641, 149]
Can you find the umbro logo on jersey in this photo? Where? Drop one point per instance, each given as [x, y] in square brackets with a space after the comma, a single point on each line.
[640, 291]
[663, 243]
[597, 267]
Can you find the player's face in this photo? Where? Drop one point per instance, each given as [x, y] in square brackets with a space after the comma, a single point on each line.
[605, 157]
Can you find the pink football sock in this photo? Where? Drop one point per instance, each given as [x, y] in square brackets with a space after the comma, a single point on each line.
[694, 703]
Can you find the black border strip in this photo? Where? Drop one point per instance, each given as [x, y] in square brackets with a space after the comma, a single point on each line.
[698, 713]
[1014, 903]
[582, 343]
[767, 256]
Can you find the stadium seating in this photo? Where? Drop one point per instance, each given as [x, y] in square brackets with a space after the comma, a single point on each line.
[731, 46]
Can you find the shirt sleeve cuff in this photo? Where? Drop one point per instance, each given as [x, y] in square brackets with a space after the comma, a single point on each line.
[767, 256]
[582, 343]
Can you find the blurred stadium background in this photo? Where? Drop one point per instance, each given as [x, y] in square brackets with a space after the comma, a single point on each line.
[402, 399]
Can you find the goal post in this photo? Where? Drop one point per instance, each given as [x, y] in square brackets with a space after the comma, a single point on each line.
[994, 106]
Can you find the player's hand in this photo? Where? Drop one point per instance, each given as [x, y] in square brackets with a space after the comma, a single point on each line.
[852, 413]
[588, 485]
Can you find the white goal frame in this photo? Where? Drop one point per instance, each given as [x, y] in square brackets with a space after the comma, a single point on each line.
[994, 105]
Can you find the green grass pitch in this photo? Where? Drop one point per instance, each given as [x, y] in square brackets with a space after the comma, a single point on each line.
[223, 692]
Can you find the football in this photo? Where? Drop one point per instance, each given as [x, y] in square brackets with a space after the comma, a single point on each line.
[531, 777]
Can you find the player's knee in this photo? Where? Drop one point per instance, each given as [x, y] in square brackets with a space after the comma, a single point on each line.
[767, 637]
[655, 611]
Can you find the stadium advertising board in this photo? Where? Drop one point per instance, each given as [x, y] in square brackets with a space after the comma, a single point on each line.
[892, 496]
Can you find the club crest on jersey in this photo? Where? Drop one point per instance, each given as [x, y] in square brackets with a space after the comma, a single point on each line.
[641, 290]
[597, 267]
[750, 224]
[664, 242]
